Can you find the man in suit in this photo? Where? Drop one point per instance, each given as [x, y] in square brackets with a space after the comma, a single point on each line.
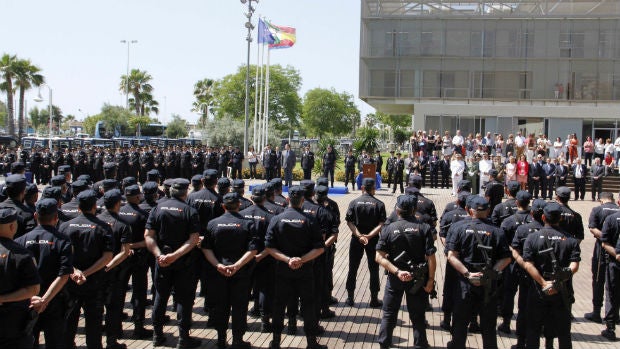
[534, 173]
[288, 164]
[446, 173]
[278, 166]
[548, 179]
[580, 172]
[597, 172]
[561, 173]
[268, 163]
[307, 162]
[389, 167]
[433, 164]
[379, 161]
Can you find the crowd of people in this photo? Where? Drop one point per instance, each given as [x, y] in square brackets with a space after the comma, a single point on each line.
[73, 248]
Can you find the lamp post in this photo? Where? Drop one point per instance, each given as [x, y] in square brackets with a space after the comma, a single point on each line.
[128, 42]
[249, 26]
[40, 99]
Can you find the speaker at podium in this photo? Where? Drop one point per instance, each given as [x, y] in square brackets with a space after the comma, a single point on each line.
[369, 171]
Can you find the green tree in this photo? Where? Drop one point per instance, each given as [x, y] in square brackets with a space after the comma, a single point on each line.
[40, 118]
[114, 117]
[400, 136]
[66, 121]
[203, 103]
[27, 76]
[8, 68]
[366, 140]
[139, 87]
[284, 101]
[329, 112]
[177, 128]
[2, 113]
[136, 121]
[394, 121]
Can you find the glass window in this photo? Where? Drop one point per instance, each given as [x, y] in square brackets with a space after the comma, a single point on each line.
[606, 44]
[430, 43]
[572, 45]
[505, 44]
[431, 84]
[383, 83]
[407, 83]
[475, 48]
[488, 43]
[586, 86]
[526, 44]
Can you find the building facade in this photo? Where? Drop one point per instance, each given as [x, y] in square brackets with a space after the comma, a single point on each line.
[549, 67]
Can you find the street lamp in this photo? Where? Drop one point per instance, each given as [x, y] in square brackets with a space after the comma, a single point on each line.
[40, 99]
[249, 26]
[128, 42]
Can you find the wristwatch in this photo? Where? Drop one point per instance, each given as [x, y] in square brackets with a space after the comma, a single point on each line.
[466, 274]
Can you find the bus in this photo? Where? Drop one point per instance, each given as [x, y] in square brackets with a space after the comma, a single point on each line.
[150, 130]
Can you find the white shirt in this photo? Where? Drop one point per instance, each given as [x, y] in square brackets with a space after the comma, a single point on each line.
[578, 171]
[617, 144]
[599, 148]
[457, 140]
[519, 141]
[485, 166]
[457, 167]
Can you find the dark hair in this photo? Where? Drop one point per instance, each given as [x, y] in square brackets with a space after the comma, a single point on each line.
[46, 218]
[295, 201]
[553, 219]
[232, 206]
[86, 206]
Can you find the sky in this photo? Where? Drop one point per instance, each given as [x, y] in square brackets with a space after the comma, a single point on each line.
[77, 45]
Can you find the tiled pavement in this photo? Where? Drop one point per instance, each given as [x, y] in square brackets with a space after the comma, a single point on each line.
[357, 327]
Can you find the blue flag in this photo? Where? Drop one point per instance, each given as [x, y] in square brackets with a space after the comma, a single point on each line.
[264, 34]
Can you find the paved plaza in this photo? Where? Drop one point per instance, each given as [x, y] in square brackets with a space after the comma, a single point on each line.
[358, 326]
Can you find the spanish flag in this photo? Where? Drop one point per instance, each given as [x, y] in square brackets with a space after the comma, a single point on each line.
[285, 37]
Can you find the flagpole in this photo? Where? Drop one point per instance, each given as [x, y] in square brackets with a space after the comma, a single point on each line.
[256, 88]
[266, 117]
[260, 102]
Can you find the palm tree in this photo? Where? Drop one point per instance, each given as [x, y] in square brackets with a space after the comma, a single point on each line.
[138, 85]
[203, 92]
[148, 105]
[8, 65]
[26, 76]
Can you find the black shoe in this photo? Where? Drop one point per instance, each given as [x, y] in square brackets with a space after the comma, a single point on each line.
[142, 333]
[211, 322]
[333, 301]
[240, 344]
[124, 316]
[158, 340]
[265, 327]
[116, 345]
[474, 327]
[350, 302]
[221, 343]
[504, 327]
[429, 307]
[255, 313]
[292, 326]
[320, 330]
[316, 346]
[375, 303]
[188, 342]
[166, 319]
[274, 345]
[517, 346]
[445, 325]
[609, 334]
[594, 317]
[327, 314]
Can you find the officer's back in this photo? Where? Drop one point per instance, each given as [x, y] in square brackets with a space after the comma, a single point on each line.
[571, 222]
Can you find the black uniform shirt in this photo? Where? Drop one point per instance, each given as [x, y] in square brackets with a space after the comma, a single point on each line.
[280, 200]
[208, 205]
[523, 232]
[465, 243]
[26, 220]
[610, 233]
[571, 223]
[495, 193]
[262, 217]
[173, 221]
[512, 223]
[90, 238]
[70, 209]
[366, 212]
[148, 207]
[244, 203]
[450, 218]
[273, 207]
[599, 213]
[135, 217]
[503, 211]
[52, 252]
[230, 236]
[293, 233]
[427, 206]
[566, 249]
[408, 235]
[17, 270]
[450, 206]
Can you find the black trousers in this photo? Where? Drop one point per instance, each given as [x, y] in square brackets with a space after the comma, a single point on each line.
[434, 178]
[356, 251]
[330, 257]
[445, 180]
[264, 274]
[349, 176]
[416, 306]
[253, 169]
[232, 297]
[599, 270]
[295, 282]
[236, 172]
[547, 188]
[222, 171]
[138, 265]
[328, 172]
[115, 301]
[307, 173]
[52, 323]
[533, 186]
[390, 177]
[612, 303]
[92, 302]
[580, 188]
[550, 312]
[450, 279]
[510, 285]
[597, 188]
[521, 325]
[398, 179]
[467, 301]
[183, 282]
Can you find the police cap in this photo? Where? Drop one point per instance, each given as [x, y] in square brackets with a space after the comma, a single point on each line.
[17, 167]
[296, 191]
[150, 187]
[153, 173]
[415, 180]
[31, 189]
[464, 184]
[47, 206]
[523, 195]
[8, 215]
[412, 190]
[553, 210]
[109, 184]
[127, 181]
[86, 178]
[538, 206]
[79, 185]
[322, 181]
[132, 190]
[270, 188]
[223, 182]
[64, 169]
[238, 184]
[493, 173]
[210, 174]
[513, 186]
[307, 184]
[196, 179]
[277, 182]
[108, 166]
[180, 184]
[231, 198]
[478, 203]
[58, 180]
[112, 197]
[322, 191]
[258, 191]
[563, 192]
[406, 202]
[51, 193]
[16, 181]
[463, 196]
[168, 182]
[368, 183]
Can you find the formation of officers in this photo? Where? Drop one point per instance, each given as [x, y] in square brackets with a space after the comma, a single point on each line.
[73, 249]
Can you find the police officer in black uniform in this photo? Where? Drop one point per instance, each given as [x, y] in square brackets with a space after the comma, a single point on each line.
[19, 282]
[494, 192]
[223, 186]
[399, 168]
[462, 185]
[468, 259]
[172, 232]
[349, 169]
[415, 240]
[137, 263]
[365, 217]
[389, 167]
[508, 207]
[329, 163]
[307, 162]
[510, 278]
[70, 209]
[294, 240]
[117, 270]
[32, 196]
[235, 163]
[92, 244]
[35, 165]
[571, 222]
[425, 205]
[599, 256]
[547, 302]
[54, 256]
[231, 243]
[238, 186]
[611, 243]
[196, 182]
[278, 198]
[270, 203]
[328, 216]
[525, 282]
[16, 190]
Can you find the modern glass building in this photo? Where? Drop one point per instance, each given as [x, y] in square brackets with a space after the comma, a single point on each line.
[548, 67]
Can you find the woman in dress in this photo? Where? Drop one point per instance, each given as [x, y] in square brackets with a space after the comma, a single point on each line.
[531, 147]
[511, 170]
[557, 147]
[522, 170]
[457, 167]
[510, 144]
[252, 161]
[499, 145]
[572, 151]
[446, 143]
